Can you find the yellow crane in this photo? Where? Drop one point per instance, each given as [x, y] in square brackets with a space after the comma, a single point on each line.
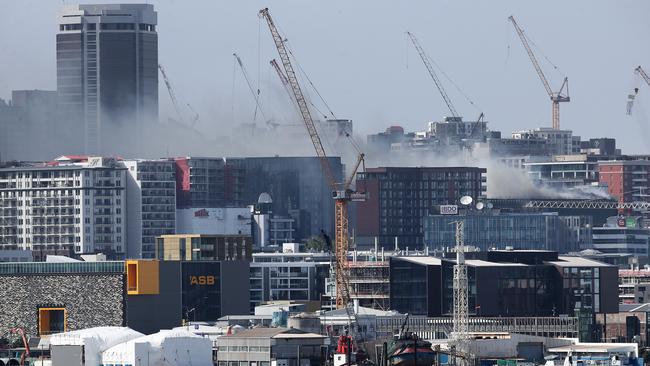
[341, 191]
[556, 97]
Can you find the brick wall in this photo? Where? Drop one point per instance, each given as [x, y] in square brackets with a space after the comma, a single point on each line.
[89, 300]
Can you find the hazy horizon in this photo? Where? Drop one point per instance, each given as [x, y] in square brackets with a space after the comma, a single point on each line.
[358, 56]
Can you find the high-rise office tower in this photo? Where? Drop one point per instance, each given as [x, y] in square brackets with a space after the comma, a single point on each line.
[107, 72]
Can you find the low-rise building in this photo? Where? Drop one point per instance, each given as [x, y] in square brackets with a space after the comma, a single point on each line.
[623, 234]
[45, 298]
[299, 277]
[505, 283]
[272, 346]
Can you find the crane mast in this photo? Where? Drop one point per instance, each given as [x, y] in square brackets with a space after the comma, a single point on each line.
[342, 193]
[434, 76]
[460, 286]
[556, 97]
[639, 70]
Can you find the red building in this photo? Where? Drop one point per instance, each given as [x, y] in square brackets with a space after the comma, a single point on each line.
[627, 180]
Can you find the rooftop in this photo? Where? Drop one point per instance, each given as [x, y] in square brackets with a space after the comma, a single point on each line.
[274, 333]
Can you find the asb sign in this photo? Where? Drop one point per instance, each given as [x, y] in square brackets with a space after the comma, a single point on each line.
[448, 210]
[202, 280]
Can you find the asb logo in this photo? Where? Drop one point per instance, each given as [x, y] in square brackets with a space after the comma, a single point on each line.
[202, 280]
[201, 213]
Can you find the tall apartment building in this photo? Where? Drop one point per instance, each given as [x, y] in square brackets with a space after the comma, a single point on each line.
[151, 204]
[203, 182]
[627, 180]
[64, 207]
[400, 197]
[107, 70]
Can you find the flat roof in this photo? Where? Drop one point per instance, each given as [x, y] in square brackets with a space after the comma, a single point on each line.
[274, 333]
[596, 348]
[568, 261]
[482, 263]
[429, 261]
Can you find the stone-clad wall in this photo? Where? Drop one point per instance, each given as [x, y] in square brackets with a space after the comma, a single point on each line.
[89, 300]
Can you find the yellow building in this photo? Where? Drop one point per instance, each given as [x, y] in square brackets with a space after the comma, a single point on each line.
[204, 247]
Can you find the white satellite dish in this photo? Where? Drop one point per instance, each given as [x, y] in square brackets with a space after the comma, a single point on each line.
[479, 205]
[490, 205]
[466, 200]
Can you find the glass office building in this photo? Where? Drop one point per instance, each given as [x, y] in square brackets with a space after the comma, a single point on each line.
[542, 231]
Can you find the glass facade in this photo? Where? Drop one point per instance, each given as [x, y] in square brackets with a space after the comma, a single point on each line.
[488, 231]
[201, 290]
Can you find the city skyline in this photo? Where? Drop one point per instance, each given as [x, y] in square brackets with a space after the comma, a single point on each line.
[385, 81]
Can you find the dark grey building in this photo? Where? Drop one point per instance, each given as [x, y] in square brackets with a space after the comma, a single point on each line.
[29, 129]
[107, 70]
[506, 283]
[400, 197]
[299, 190]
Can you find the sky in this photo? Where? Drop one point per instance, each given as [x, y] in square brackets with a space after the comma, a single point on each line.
[358, 56]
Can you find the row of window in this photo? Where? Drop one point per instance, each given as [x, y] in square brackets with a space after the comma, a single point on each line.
[108, 26]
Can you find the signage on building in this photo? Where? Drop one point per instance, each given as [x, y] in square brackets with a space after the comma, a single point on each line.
[202, 280]
[630, 222]
[448, 209]
[358, 197]
[202, 213]
[621, 221]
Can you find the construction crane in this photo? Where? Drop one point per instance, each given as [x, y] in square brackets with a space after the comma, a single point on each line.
[639, 71]
[256, 95]
[342, 192]
[172, 96]
[283, 78]
[556, 97]
[631, 97]
[434, 76]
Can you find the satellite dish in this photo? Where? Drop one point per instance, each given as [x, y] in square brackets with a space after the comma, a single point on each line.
[479, 205]
[490, 205]
[466, 200]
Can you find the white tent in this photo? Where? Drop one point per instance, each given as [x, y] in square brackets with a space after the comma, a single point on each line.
[95, 340]
[165, 348]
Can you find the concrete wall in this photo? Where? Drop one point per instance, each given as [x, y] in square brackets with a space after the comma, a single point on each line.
[89, 300]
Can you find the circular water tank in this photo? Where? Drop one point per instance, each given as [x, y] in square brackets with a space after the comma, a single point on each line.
[13, 362]
[305, 322]
[264, 198]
